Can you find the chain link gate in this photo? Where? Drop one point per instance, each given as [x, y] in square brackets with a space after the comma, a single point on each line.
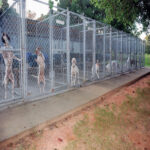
[100, 53]
[124, 52]
[114, 41]
[58, 42]
[77, 45]
[89, 48]
[37, 53]
[10, 54]
[108, 51]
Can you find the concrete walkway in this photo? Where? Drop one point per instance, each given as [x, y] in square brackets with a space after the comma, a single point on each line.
[20, 118]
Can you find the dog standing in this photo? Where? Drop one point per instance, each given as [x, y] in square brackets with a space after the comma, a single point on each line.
[127, 63]
[114, 64]
[74, 72]
[8, 57]
[95, 69]
[41, 64]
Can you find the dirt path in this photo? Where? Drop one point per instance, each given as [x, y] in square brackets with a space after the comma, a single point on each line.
[120, 121]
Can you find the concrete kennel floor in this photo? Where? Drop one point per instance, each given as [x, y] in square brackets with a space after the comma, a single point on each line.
[20, 118]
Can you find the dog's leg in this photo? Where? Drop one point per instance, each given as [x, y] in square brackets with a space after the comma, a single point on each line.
[43, 84]
[78, 78]
[13, 86]
[92, 73]
[6, 83]
[97, 73]
[5, 86]
[5, 91]
[11, 77]
[39, 83]
[75, 78]
[71, 80]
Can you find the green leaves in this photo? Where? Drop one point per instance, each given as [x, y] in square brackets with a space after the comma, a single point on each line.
[121, 14]
[1, 3]
[3, 6]
[85, 7]
[125, 13]
[51, 4]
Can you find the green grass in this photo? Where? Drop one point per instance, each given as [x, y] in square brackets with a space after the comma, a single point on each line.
[147, 60]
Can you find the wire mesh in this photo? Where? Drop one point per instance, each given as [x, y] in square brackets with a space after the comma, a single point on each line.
[60, 49]
[10, 55]
[76, 47]
[89, 49]
[59, 52]
[99, 51]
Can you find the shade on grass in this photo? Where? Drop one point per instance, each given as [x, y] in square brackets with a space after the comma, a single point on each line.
[147, 60]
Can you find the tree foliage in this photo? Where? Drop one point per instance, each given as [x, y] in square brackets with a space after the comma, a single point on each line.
[83, 7]
[121, 14]
[4, 6]
[124, 13]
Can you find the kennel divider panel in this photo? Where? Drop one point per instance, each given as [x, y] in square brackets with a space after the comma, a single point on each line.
[10, 23]
[77, 45]
[108, 44]
[37, 35]
[100, 37]
[59, 52]
[90, 48]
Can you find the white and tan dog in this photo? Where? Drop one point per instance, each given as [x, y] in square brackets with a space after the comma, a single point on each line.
[112, 66]
[41, 67]
[95, 69]
[8, 57]
[74, 72]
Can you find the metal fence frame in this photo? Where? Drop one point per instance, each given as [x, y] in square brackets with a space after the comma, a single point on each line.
[126, 47]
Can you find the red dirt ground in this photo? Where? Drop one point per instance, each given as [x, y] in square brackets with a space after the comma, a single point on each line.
[57, 136]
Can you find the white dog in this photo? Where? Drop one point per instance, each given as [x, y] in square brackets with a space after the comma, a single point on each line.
[41, 63]
[95, 69]
[74, 72]
[114, 64]
[127, 64]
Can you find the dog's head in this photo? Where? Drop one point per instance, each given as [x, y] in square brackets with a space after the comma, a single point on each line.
[38, 51]
[74, 61]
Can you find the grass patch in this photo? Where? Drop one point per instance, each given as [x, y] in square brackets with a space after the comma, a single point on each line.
[147, 60]
[110, 129]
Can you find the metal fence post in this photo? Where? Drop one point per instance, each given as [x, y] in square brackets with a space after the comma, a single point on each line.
[51, 71]
[68, 47]
[94, 43]
[110, 49]
[104, 42]
[126, 51]
[141, 55]
[121, 51]
[84, 51]
[135, 52]
[129, 52]
[23, 47]
[144, 52]
[117, 51]
[138, 53]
